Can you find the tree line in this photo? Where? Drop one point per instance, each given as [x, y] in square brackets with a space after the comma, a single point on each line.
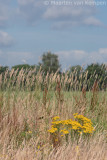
[50, 64]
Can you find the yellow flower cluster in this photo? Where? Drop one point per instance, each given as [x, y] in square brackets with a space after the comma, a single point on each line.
[64, 131]
[52, 130]
[80, 124]
[56, 118]
[81, 117]
[86, 123]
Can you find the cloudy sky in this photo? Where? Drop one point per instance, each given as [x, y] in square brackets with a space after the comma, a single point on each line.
[76, 30]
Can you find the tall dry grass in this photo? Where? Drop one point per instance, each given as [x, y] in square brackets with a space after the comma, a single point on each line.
[26, 115]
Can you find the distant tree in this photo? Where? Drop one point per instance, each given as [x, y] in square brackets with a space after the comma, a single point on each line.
[23, 66]
[3, 69]
[97, 72]
[76, 70]
[50, 63]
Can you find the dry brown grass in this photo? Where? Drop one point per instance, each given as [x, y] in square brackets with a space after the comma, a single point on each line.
[25, 117]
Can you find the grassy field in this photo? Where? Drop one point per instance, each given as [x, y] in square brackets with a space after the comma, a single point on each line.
[25, 118]
[26, 129]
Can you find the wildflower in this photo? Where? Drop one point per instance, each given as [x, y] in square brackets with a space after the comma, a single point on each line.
[62, 135]
[52, 130]
[75, 114]
[82, 118]
[80, 125]
[57, 122]
[65, 131]
[56, 118]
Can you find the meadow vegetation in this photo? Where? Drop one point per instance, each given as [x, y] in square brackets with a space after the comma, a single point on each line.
[51, 117]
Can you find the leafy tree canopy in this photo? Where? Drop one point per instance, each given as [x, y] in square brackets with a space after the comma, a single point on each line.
[23, 66]
[3, 69]
[76, 68]
[50, 63]
[97, 72]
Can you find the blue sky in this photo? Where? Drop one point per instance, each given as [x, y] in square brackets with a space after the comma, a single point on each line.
[77, 33]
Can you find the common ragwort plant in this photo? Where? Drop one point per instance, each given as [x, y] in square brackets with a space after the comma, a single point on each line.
[74, 128]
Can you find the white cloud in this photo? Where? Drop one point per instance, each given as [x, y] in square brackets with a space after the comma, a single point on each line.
[100, 55]
[24, 61]
[74, 54]
[75, 57]
[5, 39]
[72, 57]
[60, 16]
[66, 58]
[92, 21]
[103, 51]
[15, 58]
[68, 16]
[62, 12]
